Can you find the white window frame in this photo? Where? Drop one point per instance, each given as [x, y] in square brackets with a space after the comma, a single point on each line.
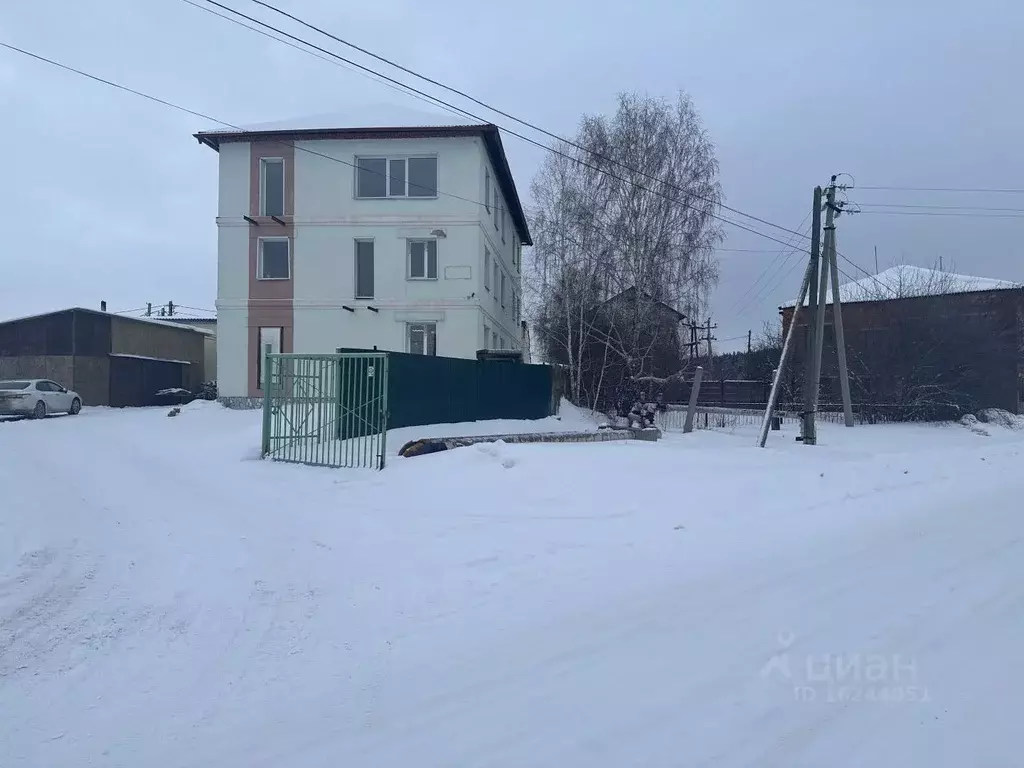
[497, 271]
[408, 337]
[355, 267]
[388, 159]
[487, 269]
[426, 261]
[503, 290]
[263, 185]
[260, 344]
[497, 205]
[259, 257]
[494, 340]
[503, 217]
[487, 335]
[487, 191]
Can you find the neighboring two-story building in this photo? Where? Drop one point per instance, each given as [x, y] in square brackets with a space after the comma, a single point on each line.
[401, 238]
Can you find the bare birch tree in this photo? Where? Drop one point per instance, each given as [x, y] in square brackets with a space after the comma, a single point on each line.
[628, 207]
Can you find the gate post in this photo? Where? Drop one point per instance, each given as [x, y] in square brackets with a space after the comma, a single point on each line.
[267, 379]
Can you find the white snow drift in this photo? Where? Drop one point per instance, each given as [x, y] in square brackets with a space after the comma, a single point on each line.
[168, 600]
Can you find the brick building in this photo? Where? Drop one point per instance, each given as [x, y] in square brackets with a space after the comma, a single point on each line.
[925, 343]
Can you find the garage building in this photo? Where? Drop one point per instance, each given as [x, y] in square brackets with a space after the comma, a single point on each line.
[108, 359]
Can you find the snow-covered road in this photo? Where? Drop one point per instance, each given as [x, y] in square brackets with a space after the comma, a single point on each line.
[167, 600]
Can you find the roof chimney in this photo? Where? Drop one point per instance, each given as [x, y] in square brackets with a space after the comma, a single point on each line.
[103, 306]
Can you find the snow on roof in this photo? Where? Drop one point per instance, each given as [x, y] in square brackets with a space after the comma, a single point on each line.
[905, 281]
[378, 115]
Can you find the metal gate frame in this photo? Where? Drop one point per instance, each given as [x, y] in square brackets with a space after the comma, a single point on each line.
[328, 410]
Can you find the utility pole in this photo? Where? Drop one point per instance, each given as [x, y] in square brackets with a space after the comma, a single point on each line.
[149, 309]
[840, 337]
[814, 381]
[807, 433]
[708, 339]
[170, 308]
[773, 396]
[748, 341]
[876, 259]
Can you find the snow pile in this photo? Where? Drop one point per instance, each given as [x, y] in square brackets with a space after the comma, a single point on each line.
[170, 603]
[989, 418]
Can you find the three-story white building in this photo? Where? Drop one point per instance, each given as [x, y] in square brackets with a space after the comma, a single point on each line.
[405, 239]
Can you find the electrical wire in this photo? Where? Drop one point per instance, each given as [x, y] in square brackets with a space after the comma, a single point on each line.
[946, 213]
[943, 207]
[485, 105]
[290, 44]
[467, 113]
[949, 189]
[293, 145]
[768, 267]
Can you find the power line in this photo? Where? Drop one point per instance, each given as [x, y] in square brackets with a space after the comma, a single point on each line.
[765, 271]
[194, 113]
[950, 189]
[947, 213]
[258, 31]
[485, 105]
[941, 207]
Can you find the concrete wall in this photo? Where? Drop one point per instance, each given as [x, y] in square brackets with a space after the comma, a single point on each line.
[60, 368]
[132, 337]
[233, 271]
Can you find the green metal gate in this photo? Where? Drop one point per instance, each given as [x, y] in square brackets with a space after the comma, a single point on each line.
[326, 410]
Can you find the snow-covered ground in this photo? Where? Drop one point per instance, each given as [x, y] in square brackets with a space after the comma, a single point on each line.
[166, 599]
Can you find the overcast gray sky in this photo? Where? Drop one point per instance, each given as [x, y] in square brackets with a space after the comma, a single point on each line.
[108, 196]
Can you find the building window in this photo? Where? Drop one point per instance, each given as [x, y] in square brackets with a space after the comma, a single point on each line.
[423, 338]
[364, 269]
[495, 279]
[494, 339]
[422, 177]
[487, 336]
[396, 177]
[515, 250]
[502, 290]
[501, 342]
[422, 259]
[496, 206]
[274, 261]
[487, 270]
[487, 191]
[502, 225]
[271, 337]
[272, 186]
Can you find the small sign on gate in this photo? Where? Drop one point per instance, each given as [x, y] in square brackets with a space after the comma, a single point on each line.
[369, 371]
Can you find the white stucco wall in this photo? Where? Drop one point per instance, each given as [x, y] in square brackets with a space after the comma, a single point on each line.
[329, 218]
[498, 317]
[233, 271]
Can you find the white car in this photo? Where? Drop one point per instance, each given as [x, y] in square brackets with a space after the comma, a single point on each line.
[37, 398]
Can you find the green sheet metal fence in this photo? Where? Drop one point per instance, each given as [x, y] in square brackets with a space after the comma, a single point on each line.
[423, 389]
[326, 410]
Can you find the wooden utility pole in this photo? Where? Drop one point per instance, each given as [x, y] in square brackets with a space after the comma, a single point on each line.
[748, 341]
[810, 381]
[876, 259]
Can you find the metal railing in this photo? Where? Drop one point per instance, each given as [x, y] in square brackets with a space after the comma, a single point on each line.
[326, 410]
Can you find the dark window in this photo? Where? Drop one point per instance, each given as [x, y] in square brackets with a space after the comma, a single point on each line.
[423, 338]
[423, 259]
[371, 177]
[274, 261]
[272, 201]
[364, 269]
[487, 193]
[422, 177]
